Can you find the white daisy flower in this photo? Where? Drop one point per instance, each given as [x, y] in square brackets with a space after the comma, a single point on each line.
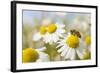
[34, 55]
[50, 33]
[71, 46]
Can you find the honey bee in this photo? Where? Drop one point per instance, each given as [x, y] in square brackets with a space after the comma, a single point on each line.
[75, 32]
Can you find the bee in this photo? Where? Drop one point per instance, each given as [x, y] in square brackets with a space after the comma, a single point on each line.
[75, 32]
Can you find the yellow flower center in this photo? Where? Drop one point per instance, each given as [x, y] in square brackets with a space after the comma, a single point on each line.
[88, 40]
[43, 30]
[72, 41]
[51, 28]
[29, 55]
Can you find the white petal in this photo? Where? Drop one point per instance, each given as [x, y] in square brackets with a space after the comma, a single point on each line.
[73, 56]
[50, 38]
[60, 31]
[37, 37]
[55, 38]
[62, 42]
[64, 52]
[59, 34]
[68, 55]
[61, 49]
[47, 38]
[43, 57]
[59, 45]
[80, 49]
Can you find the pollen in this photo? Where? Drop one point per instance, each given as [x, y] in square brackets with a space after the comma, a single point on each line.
[43, 30]
[51, 28]
[88, 40]
[72, 41]
[29, 55]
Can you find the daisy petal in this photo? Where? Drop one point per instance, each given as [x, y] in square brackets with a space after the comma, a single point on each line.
[68, 55]
[60, 30]
[55, 38]
[47, 38]
[37, 37]
[59, 34]
[73, 56]
[64, 52]
[61, 49]
[43, 57]
[59, 45]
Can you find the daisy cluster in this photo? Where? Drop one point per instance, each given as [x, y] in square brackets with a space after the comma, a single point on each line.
[72, 42]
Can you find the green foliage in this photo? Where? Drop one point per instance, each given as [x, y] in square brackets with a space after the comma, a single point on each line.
[51, 51]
